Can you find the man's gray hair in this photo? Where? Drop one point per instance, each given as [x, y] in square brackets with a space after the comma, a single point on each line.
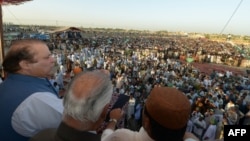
[94, 91]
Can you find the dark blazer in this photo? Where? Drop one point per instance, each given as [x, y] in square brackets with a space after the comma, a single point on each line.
[65, 133]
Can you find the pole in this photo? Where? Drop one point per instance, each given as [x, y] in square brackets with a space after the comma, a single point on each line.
[1, 40]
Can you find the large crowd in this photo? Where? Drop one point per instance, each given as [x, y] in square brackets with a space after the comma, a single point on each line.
[139, 63]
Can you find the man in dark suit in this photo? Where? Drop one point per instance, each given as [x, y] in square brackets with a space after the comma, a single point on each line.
[85, 106]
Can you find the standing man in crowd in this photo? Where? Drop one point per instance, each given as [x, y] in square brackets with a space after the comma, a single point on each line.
[165, 116]
[28, 101]
[85, 104]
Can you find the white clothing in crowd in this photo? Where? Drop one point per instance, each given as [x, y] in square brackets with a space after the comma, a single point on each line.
[210, 132]
[131, 107]
[199, 127]
[59, 79]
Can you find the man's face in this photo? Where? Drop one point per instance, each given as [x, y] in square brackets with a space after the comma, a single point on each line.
[44, 62]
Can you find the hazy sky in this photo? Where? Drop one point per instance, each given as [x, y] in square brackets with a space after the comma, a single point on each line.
[201, 16]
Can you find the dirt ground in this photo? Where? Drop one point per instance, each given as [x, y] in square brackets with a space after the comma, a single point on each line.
[209, 67]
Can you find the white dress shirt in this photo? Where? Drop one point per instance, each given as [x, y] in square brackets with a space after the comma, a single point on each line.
[125, 135]
[39, 111]
[129, 135]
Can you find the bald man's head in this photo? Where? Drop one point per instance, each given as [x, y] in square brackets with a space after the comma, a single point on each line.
[87, 95]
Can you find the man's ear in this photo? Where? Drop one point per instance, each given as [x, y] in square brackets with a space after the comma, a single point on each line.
[102, 117]
[24, 64]
[104, 111]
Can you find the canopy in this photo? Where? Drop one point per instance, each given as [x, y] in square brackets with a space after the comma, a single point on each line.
[12, 2]
[65, 29]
